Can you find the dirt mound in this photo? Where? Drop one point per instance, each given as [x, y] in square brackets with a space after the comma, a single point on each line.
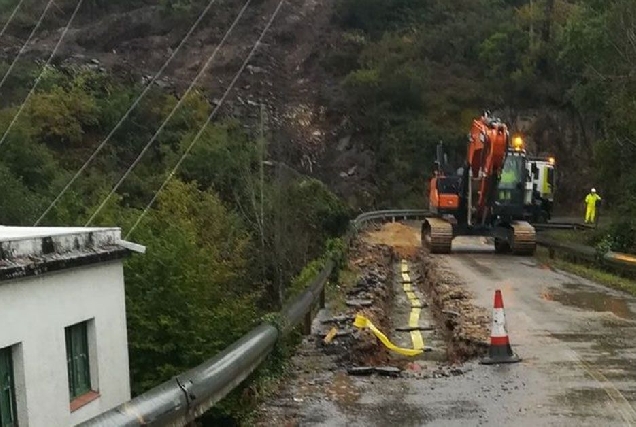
[404, 239]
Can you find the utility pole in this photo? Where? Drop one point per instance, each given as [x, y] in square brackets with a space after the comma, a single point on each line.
[279, 231]
[261, 217]
[261, 152]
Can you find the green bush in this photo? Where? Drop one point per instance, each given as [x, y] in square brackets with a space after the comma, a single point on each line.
[622, 236]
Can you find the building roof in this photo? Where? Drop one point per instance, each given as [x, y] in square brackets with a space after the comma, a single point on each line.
[28, 251]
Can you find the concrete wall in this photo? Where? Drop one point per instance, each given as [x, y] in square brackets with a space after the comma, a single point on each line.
[33, 315]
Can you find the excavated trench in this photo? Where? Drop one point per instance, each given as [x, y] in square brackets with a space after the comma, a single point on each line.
[452, 326]
[374, 294]
[335, 370]
[465, 326]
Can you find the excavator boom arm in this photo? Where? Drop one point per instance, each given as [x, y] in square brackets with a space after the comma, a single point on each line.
[488, 142]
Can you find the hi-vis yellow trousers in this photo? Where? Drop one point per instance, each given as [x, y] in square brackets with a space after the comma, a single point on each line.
[590, 214]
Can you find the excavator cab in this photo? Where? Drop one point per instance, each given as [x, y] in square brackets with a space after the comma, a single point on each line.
[511, 188]
[444, 194]
[445, 188]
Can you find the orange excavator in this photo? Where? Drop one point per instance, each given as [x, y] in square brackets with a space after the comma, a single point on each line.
[486, 197]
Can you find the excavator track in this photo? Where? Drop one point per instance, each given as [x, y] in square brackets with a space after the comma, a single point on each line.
[523, 239]
[437, 235]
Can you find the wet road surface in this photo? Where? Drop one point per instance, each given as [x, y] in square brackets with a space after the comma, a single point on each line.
[577, 340]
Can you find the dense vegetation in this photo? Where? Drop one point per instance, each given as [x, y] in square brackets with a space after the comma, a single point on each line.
[227, 239]
[223, 244]
[416, 72]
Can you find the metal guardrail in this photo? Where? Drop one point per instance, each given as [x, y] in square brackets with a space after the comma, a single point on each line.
[616, 261]
[182, 399]
[562, 226]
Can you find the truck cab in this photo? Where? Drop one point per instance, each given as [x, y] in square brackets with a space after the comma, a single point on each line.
[540, 188]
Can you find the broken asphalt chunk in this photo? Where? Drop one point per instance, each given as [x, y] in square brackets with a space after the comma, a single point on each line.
[338, 319]
[414, 328]
[421, 304]
[360, 370]
[359, 303]
[450, 313]
[388, 371]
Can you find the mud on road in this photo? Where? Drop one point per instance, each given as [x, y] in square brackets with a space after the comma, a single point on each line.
[354, 379]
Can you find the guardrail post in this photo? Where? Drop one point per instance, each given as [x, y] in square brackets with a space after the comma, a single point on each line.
[322, 297]
[307, 323]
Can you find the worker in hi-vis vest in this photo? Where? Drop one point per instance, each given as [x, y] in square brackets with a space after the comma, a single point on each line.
[590, 206]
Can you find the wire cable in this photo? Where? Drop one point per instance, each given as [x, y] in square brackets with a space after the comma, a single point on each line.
[26, 43]
[6, 24]
[167, 119]
[205, 125]
[126, 114]
[37, 80]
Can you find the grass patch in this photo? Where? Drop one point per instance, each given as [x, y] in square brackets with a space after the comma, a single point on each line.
[336, 292]
[592, 273]
[575, 236]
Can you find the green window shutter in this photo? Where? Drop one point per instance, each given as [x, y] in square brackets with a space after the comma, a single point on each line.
[81, 354]
[7, 395]
[85, 360]
[77, 359]
[69, 362]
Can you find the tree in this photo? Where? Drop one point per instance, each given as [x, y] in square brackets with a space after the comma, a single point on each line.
[189, 296]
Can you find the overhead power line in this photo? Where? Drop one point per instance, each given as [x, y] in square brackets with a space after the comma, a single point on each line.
[26, 43]
[205, 125]
[44, 68]
[6, 24]
[167, 119]
[127, 113]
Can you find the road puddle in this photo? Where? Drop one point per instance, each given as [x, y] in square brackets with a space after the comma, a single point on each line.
[577, 295]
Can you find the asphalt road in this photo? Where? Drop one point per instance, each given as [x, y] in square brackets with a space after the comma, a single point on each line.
[576, 340]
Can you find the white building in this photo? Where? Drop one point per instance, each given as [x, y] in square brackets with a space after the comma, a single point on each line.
[63, 341]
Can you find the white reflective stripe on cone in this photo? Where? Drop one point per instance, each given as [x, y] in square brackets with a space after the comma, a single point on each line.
[498, 323]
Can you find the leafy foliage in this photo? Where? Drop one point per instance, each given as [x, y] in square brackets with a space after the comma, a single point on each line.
[216, 261]
[191, 297]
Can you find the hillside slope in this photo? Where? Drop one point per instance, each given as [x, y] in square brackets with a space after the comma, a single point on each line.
[360, 97]
[285, 74]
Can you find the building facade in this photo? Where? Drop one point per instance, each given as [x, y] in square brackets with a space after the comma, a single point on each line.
[63, 340]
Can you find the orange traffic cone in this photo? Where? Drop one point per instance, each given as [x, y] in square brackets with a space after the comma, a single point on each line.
[500, 350]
